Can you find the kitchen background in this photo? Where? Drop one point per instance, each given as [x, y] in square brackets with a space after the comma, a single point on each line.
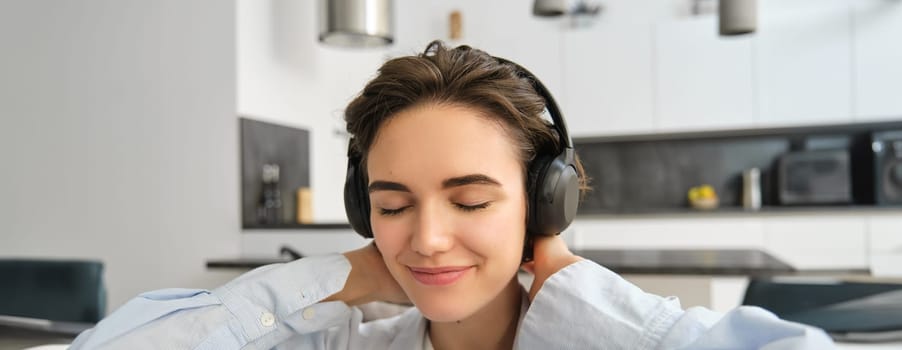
[119, 135]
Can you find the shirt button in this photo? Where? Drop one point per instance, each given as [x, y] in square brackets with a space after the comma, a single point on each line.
[309, 313]
[267, 319]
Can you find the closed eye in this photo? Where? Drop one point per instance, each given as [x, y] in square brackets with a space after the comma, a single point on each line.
[467, 208]
[472, 207]
[390, 212]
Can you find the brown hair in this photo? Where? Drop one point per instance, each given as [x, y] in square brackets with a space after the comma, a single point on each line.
[460, 76]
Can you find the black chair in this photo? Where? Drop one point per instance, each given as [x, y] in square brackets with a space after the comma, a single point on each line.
[55, 290]
[840, 308]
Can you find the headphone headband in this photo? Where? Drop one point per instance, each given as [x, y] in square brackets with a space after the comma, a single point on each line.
[558, 122]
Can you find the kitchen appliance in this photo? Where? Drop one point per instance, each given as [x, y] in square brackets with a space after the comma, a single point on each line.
[814, 177]
[887, 148]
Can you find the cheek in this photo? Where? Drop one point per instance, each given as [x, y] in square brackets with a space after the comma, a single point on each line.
[499, 236]
[388, 235]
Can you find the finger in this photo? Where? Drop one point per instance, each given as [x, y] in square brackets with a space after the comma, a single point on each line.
[534, 288]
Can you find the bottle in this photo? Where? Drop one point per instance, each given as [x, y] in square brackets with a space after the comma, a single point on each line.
[305, 206]
[262, 202]
[274, 207]
[751, 189]
[269, 207]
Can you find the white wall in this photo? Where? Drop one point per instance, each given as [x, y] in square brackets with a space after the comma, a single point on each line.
[118, 137]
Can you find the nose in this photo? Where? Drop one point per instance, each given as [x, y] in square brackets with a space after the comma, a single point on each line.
[432, 232]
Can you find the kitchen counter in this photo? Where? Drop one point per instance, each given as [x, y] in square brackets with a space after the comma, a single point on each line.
[725, 262]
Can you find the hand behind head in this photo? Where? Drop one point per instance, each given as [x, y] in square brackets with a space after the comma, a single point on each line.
[550, 255]
[388, 289]
[369, 280]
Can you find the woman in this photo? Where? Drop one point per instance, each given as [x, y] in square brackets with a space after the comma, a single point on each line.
[449, 172]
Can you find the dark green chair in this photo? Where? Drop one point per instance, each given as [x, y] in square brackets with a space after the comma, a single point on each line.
[56, 290]
[838, 308]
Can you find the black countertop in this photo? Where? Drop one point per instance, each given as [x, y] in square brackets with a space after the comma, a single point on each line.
[688, 262]
[724, 262]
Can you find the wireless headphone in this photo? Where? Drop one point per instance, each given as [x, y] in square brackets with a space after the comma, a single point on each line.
[553, 189]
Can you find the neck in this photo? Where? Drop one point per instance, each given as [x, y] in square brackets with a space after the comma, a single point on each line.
[492, 327]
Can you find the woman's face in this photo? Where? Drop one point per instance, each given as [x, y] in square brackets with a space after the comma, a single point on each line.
[448, 207]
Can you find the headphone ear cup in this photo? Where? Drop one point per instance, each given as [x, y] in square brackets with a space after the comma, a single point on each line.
[357, 202]
[555, 196]
[538, 203]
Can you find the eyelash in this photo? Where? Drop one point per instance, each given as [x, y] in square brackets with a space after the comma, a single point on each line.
[466, 208]
[391, 212]
[472, 207]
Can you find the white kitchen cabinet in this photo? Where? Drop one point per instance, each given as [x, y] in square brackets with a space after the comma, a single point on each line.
[885, 233]
[885, 245]
[877, 38]
[818, 242]
[644, 232]
[805, 241]
[703, 81]
[508, 29]
[607, 68]
[718, 293]
[803, 62]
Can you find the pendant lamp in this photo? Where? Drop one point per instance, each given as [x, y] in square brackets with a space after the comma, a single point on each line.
[356, 23]
[737, 17]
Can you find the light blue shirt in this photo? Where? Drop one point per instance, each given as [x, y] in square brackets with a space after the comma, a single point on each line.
[583, 306]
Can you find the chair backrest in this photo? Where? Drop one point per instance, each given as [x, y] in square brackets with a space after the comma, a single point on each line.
[847, 310]
[57, 290]
[785, 298]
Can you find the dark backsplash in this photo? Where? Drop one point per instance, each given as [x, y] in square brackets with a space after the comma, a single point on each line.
[269, 143]
[652, 173]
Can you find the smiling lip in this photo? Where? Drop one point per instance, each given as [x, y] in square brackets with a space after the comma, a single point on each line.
[438, 276]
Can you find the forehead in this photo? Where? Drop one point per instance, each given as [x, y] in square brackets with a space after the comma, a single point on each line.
[433, 142]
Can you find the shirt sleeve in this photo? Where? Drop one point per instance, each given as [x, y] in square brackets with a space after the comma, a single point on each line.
[263, 307]
[586, 306]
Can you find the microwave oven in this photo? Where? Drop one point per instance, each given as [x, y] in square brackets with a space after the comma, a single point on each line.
[814, 177]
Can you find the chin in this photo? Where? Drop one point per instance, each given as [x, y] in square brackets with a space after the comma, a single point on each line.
[444, 310]
[445, 305]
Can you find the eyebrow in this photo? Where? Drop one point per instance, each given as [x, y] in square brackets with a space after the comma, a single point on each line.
[473, 179]
[387, 186]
